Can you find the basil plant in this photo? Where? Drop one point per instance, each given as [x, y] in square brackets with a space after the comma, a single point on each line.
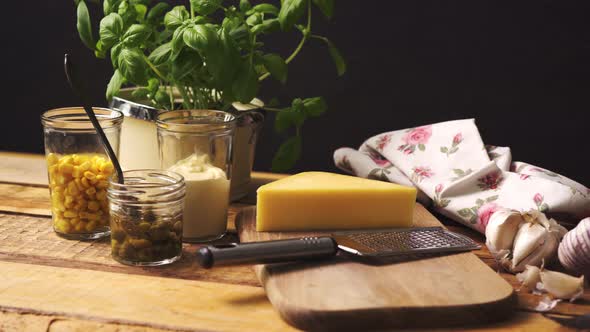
[210, 53]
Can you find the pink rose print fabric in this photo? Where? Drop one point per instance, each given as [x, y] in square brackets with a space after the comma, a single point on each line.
[461, 177]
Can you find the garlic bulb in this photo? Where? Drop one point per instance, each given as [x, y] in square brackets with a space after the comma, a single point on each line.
[561, 285]
[574, 250]
[530, 277]
[520, 239]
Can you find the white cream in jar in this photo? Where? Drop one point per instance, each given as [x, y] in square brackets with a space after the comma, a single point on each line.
[207, 198]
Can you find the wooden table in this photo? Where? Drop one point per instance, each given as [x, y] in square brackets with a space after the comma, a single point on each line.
[51, 284]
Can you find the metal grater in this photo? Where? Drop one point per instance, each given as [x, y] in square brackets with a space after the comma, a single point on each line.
[376, 243]
[407, 241]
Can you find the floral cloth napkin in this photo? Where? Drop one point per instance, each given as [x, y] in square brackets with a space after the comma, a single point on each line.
[463, 178]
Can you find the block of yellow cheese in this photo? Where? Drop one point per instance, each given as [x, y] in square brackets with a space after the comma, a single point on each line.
[322, 201]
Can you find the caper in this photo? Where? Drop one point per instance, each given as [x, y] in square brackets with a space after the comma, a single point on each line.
[140, 243]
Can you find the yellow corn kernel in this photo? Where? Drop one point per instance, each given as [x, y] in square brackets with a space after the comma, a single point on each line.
[93, 205]
[82, 205]
[52, 159]
[73, 188]
[62, 225]
[100, 177]
[65, 168]
[56, 196]
[70, 214]
[89, 175]
[66, 159]
[90, 191]
[101, 195]
[92, 216]
[80, 227]
[69, 199]
[91, 226]
[102, 184]
[75, 221]
[85, 166]
[85, 183]
[52, 169]
[79, 184]
[58, 189]
[108, 168]
[77, 172]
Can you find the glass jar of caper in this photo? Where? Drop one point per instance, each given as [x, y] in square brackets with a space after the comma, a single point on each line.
[146, 217]
[79, 170]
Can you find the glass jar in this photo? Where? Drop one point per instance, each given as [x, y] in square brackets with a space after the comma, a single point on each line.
[198, 145]
[146, 217]
[79, 169]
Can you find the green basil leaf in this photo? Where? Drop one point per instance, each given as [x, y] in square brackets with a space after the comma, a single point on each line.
[141, 11]
[314, 106]
[288, 118]
[115, 55]
[186, 63]
[337, 58]
[115, 84]
[153, 85]
[254, 19]
[100, 52]
[288, 153]
[245, 6]
[110, 6]
[174, 18]
[245, 86]
[127, 13]
[136, 35]
[177, 40]
[199, 37]
[206, 7]
[326, 7]
[84, 26]
[111, 29]
[161, 54]
[162, 98]
[156, 12]
[276, 66]
[291, 11]
[132, 66]
[267, 26]
[140, 94]
[228, 60]
[264, 8]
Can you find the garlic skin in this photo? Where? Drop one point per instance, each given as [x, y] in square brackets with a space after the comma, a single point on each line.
[530, 277]
[520, 239]
[561, 285]
[574, 250]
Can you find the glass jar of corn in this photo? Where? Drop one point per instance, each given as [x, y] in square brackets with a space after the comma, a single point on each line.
[79, 170]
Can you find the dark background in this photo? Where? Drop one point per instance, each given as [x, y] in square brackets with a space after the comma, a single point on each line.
[522, 69]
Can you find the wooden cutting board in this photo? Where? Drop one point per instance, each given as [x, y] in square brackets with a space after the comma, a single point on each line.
[348, 293]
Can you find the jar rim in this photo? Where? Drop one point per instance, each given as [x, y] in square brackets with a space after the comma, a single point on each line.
[75, 117]
[198, 120]
[170, 189]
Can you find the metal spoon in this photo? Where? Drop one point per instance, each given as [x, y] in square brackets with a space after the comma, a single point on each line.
[74, 84]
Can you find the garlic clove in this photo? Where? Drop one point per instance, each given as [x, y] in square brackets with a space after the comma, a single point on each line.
[561, 285]
[530, 277]
[529, 237]
[546, 252]
[501, 230]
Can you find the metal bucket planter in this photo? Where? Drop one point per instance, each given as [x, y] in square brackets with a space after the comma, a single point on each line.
[139, 142]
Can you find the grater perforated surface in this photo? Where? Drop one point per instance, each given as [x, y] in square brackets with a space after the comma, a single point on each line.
[411, 241]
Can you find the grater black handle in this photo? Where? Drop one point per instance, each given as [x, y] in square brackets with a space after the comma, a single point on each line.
[266, 251]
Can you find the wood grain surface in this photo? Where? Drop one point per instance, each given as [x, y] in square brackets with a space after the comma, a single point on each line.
[342, 293]
[24, 225]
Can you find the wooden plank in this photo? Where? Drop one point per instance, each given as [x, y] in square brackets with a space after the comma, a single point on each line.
[344, 293]
[19, 321]
[134, 299]
[25, 199]
[30, 239]
[23, 168]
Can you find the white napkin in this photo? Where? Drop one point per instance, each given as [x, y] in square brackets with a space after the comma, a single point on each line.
[463, 178]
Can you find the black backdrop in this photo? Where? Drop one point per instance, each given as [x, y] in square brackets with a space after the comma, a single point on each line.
[522, 69]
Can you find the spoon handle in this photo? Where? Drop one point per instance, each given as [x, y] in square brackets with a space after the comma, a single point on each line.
[68, 67]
